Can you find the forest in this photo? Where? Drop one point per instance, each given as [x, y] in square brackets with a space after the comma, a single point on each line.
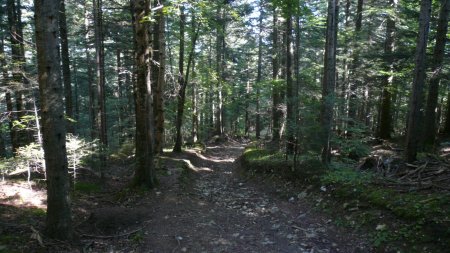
[224, 126]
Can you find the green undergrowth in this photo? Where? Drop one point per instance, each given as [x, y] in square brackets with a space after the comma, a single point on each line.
[87, 187]
[307, 168]
[392, 220]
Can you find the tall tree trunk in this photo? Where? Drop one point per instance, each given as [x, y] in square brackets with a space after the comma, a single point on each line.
[181, 84]
[195, 104]
[183, 80]
[297, 80]
[416, 100]
[290, 96]
[91, 85]
[158, 72]
[66, 66]
[59, 224]
[329, 79]
[220, 65]
[276, 98]
[145, 168]
[354, 80]
[100, 64]
[4, 85]
[259, 71]
[16, 83]
[343, 96]
[436, 63]
[120, 110]
[385, 127]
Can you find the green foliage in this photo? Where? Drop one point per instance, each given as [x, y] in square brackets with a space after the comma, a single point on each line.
[31, 157]
[86, 187]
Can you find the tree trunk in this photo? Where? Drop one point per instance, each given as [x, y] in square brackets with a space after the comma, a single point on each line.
[385, 127]
[220, 65]
[436, 63]
[16, 83]
[158, 72]
[145, 169]
[354, 80]
[329, 79]
[259, 71]
[290, 96]
[276, 98]
[91, 86]
[183, 80]
[100, 64]
[416, 100]
[4, 85]
[59, 224]
[195, 104]
[66, 66]
[181, 84]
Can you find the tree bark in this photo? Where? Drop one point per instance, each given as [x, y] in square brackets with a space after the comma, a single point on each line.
[100, 64]
[181, 84]
[4, 85]
[183, 80]
[354, 81]
[329, 79]
[436, 65]
[276, 98]
[91, 85]
[385, 127]
[158, 72]
[290, 96]
[16, 83]
[416, 100]
[66, 66]
[259, 71]
[145, 168]
[58, 223]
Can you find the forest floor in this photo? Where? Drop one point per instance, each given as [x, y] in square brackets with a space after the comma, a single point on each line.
[203, 204]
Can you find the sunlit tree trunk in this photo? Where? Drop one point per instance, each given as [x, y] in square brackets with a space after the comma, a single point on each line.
[181, 84]
[58, 223]
[276, 98]
[7, 93]
[416, 100]
[66, 66]
[158, 72]
[290, 96]
[145, 168]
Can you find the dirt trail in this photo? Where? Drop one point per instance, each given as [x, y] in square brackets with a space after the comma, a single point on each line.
[215, 210]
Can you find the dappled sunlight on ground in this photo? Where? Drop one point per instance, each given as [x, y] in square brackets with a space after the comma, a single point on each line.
[22, 194]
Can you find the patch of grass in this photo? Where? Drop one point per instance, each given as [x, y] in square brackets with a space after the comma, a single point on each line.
[88, 188]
